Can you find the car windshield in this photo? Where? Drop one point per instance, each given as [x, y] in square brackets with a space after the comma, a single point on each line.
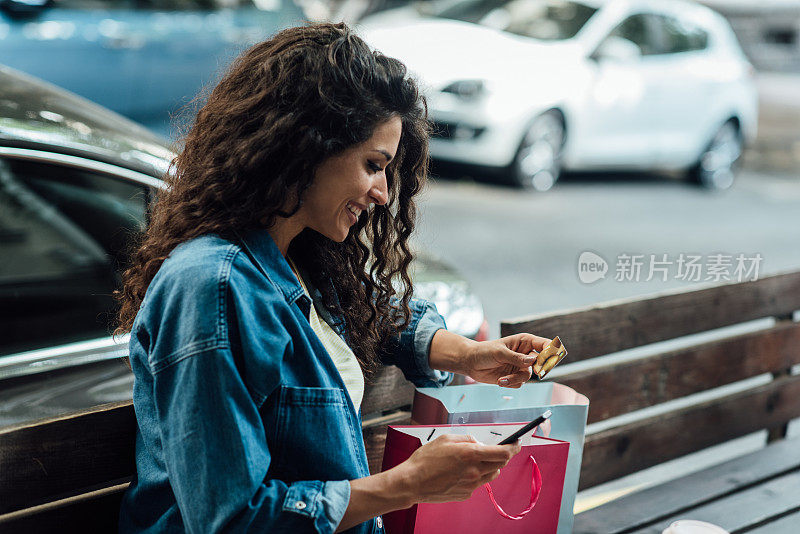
[547, 20]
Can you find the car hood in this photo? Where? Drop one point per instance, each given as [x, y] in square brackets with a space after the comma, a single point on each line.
[439, 52]
[34, 113]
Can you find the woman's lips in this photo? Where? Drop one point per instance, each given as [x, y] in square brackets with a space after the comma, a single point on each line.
[351, 216]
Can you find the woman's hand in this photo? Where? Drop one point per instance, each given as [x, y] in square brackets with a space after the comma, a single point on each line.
[448, 468]
[451, 467]
[506, 361]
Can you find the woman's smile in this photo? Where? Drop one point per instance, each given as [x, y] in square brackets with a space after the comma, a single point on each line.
[353, 211]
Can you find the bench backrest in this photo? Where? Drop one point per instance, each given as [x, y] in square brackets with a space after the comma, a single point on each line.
[616, 389]
[74, 468]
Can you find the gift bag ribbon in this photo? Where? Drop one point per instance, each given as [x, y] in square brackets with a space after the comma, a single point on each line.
[536, 488]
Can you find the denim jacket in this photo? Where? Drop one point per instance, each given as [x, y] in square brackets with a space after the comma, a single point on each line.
[243, 421]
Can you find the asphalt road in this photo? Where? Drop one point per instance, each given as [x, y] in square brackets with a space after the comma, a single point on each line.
[520, 249]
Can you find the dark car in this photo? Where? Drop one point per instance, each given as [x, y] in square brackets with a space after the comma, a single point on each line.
[140, 58]
[75, 182]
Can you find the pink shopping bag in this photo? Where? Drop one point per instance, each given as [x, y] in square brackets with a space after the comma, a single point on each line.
[487, 403]
[525, 498]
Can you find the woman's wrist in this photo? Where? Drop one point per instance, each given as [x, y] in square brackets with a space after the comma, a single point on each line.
[450, 351]
[378, 494]
[386, 491]
[400, 480]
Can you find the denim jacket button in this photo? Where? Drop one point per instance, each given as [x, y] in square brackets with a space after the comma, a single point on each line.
[300, 505]
[380, 522]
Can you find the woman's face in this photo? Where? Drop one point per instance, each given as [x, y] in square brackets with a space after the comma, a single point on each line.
[349, 183]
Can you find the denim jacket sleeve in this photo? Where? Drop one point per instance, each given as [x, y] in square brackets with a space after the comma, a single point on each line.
[412, 347]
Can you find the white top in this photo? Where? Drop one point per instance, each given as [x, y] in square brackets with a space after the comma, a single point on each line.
[341, 354]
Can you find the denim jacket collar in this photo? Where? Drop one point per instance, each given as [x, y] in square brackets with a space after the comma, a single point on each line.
[260, 246]
[270, 261]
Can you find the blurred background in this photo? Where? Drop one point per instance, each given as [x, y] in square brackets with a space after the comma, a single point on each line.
[583, 151]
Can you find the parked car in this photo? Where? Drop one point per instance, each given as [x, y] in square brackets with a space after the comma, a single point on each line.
[534, 87]
[141, 58]
[75, 182]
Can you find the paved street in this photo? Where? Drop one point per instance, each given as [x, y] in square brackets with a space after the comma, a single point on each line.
[520, 249]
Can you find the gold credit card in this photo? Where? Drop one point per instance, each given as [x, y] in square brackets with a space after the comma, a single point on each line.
[550, 356]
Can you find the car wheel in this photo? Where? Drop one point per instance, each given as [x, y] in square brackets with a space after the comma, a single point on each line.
[537, 164]
[717, 166]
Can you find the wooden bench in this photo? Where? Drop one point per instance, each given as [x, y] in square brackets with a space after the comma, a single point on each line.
[621, 441]
[72, 470]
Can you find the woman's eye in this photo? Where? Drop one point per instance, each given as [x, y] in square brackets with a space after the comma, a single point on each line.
[374, 167]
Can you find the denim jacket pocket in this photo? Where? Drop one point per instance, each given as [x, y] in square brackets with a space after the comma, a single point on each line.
[310, 419]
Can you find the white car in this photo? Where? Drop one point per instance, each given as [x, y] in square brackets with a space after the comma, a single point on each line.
[535, 87]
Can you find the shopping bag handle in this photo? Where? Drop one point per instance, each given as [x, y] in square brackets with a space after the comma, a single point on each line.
[536, 488]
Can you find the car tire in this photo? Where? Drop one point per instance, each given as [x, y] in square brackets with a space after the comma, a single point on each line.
[537, 163]
[717, 166]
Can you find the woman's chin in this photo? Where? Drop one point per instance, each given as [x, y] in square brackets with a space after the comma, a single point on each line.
[339, 235]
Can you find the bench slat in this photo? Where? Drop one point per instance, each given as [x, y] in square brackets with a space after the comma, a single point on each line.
[616, 389]
[652, 504]
[747, 508]
[66, 455]
[785, 525]
[389, 391]
[97, 511]
[622, 450]
[628, 323]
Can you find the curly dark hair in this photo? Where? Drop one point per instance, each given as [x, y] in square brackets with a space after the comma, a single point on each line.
[283, 107]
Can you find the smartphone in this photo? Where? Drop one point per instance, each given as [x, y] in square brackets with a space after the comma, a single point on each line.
[527, 428]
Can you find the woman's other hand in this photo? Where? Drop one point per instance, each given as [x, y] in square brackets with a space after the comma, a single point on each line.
[451, 467]
[506, 361]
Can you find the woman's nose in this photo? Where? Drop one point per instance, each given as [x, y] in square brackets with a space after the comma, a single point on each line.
[380, 190]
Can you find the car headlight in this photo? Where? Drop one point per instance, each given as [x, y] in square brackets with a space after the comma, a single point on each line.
[461, 309]
[467, 89]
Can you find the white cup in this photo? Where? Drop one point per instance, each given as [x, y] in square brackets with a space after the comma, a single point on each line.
[692, 526]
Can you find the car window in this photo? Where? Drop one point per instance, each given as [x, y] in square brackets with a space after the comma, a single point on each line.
[637, 29]
[679, 35]
[540, 19]
[63, 239]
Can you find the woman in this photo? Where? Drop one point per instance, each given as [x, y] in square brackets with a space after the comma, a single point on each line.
[261, 296]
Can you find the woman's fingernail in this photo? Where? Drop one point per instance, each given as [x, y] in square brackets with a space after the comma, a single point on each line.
[504, 381]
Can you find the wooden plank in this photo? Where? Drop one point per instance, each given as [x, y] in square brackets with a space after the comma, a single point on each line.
[675, 496]
[738, 512]
[374, 432]
[628, 448]
[623, 324]
[389, 391]
[58, 457]
[784, 525]
[677, 373]
[97, 511]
